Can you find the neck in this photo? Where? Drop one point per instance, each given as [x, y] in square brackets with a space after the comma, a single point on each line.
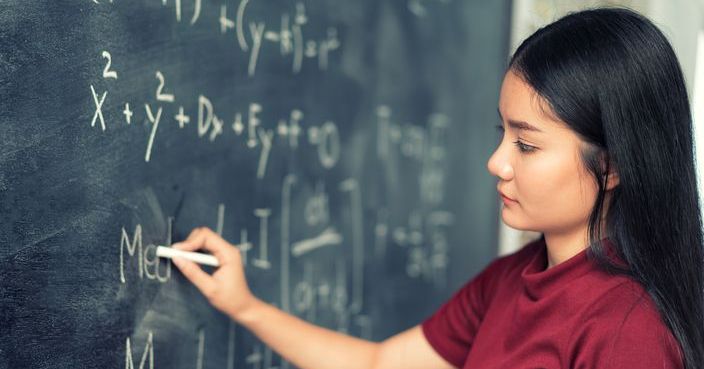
[562, 246]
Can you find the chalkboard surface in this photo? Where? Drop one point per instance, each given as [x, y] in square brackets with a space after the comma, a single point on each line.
[341, 144]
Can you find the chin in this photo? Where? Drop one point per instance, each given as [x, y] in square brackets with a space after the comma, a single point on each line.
[517, 224]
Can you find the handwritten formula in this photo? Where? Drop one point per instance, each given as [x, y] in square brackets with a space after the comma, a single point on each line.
[329, 216]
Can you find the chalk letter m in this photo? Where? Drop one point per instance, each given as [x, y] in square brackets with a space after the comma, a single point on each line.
[148, 350]
[135, 245]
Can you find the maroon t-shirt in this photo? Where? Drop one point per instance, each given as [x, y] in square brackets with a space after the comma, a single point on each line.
[517, 315]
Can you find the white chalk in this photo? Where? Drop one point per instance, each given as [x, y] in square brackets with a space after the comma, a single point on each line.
[168, 252]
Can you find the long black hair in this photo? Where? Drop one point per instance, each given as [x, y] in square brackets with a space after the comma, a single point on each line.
[614, 79]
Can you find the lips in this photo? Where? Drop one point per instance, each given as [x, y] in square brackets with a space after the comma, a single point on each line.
[505, 197]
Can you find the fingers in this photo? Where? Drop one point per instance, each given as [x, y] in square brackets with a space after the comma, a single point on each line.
[202, 280]
[207, 239]
[189, 243]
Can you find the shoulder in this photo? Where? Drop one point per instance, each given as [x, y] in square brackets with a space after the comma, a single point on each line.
[452, 328]
[623, 328]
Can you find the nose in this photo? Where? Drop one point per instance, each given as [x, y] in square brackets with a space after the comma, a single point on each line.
[500, 165]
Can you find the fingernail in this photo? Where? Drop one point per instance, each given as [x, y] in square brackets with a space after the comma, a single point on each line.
[177, 245]
[176, 261]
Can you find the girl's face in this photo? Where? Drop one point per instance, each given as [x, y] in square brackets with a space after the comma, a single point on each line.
[543, 184]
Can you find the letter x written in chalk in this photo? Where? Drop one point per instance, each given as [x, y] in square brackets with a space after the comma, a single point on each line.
[98, 108]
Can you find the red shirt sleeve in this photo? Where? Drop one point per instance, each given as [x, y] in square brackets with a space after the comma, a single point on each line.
[451, 329]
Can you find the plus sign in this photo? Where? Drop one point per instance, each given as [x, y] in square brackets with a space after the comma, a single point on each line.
[313, 135]
[282, 129]
[294, 130]
[128, 113]
[225, 23]
[238, 126]
[181, 118]
[244, 246]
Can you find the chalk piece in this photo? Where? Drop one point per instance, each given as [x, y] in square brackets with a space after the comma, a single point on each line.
[168, 252]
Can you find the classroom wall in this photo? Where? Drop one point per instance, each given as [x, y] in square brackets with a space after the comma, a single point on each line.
[698, 109]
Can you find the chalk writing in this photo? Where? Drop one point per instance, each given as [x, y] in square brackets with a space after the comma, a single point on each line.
[196, 12]
[255, 358]
[265, 137]
[328, 144]
[132, 247]
[147, 261]
[107, 73]
[317, 209]
[181, 118]
[290, 35]
[266, 129]
[128, 113]
[155, 125]
[201, 349]
[351, 186]
[160, 95]
[325, 137]
[225, 23]
[147, 354]
[244, 246]
[329, 237]
[263, 260]
[286, 189]
[98, 108]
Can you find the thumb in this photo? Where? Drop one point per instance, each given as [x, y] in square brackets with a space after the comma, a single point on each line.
[202, 280]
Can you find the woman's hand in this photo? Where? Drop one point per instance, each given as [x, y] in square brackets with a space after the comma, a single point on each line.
[302, 343]
[226, 288]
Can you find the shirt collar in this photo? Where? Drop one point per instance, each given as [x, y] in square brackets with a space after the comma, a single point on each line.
[539, 281]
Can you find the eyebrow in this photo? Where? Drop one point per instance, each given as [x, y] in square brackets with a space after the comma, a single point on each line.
[520, 125]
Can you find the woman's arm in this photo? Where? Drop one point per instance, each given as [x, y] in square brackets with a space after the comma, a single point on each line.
[304, 344]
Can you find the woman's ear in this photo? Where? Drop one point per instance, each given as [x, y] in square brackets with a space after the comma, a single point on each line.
[612, 180]
[609, 172]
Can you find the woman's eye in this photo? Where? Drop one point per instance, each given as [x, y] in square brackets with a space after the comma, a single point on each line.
[524, 148]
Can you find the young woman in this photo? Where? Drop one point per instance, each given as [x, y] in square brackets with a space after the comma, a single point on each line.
[597, 156]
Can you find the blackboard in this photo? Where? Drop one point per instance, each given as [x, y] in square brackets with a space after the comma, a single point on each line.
[341, 144]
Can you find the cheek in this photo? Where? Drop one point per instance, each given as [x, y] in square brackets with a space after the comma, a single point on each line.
[556, 189]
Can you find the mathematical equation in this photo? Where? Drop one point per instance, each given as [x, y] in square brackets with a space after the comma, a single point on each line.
[246, 125]
[210, 123]
[423, 236]
[250, 35]
[313, 292]
[305, 287]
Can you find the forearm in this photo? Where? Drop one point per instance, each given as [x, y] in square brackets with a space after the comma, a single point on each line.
[304, 344]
